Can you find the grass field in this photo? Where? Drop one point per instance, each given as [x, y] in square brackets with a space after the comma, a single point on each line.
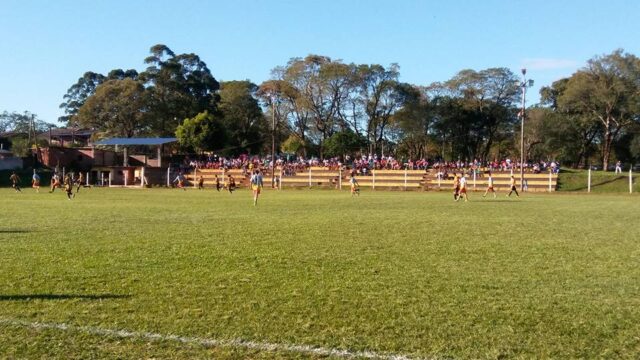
[389, 273]
[601, 181]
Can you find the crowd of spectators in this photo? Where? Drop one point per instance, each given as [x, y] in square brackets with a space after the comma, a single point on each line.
[363, 165]
[446, 169]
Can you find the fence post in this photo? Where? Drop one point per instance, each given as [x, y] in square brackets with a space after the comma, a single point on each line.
[126, 177]
[280, 181]
[373, 172]
[101, 179]
[550, 177]
[63, 172]
[309, 175]
[405, 179]
[340, 179]
[589, 180]
[87, 182]
[109, 178]
[439, 180]
[474, 179]
[168, 176]
[142, 177]
[630, 181]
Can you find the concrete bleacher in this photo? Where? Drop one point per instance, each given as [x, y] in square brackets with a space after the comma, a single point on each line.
[543, 182]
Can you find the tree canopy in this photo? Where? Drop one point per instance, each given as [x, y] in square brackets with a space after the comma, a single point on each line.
[326, 107]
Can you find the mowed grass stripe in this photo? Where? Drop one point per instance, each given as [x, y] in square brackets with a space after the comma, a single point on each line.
[390, 272]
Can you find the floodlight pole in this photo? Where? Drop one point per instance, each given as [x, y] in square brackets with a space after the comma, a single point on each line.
[522, 116]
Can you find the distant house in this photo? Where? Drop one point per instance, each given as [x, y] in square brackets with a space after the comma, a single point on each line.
[67, 137]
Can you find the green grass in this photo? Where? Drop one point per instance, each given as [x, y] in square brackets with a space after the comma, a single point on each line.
[601, 181]
[392, 272]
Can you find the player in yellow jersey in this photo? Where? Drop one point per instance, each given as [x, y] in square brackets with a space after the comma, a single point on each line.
[512, 185]
[490, 187]
[456, 187]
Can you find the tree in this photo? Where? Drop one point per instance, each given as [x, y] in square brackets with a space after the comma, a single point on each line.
[608, 90]
[293, 145]
[22, 122]
[571, 133]
[118, 108]
[289, 107]
[343, 143]
[242, 116]
[320, 88]
[204, 132]
[489, 97]
[413, 122]
[78, 94]
[378, 91]
[180, 86]
[86, 86]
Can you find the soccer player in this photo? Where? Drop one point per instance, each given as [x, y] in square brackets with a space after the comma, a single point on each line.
[218, 186]
[355, 187]
[232, 184]
[35, 181]
[15, 181]
[463, 188]
[55, 182]
[201, 183]
[68, 186]
[179, 181]
[79, 181]
[456, 187]
[512, 184]
[256, 185]
[490, 187]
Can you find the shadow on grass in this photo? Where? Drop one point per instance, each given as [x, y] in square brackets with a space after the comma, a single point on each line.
[609, 181]
[14, 231]
[61, 297]
[506, 200]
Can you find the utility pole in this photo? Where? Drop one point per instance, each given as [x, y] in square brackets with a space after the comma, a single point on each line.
[273, 142]
[524, 84]
[30, 126]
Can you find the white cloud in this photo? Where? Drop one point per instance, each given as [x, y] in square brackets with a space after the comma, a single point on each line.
[549, 64]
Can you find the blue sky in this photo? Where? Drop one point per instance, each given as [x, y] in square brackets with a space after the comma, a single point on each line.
[45, 46]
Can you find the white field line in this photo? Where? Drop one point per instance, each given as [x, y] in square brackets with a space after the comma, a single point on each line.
[229, 343]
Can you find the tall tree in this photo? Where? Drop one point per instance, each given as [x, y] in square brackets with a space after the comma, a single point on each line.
[86, 86]
[117, 108]
[180, 86]
[414, 122]
[78, 94]
[283, 98]
[490, 96]
[22, 122]
[379, 94]
[572, 133]
[242, 116]
[203, 132]
[320, 88]
[609, 90]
